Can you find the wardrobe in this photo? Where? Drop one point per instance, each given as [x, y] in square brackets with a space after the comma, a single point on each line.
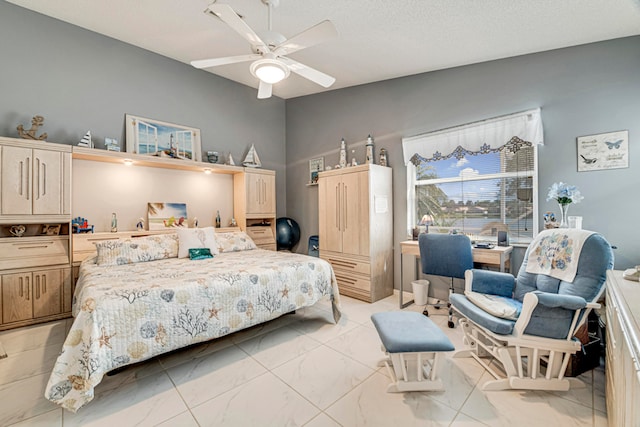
[356, 229]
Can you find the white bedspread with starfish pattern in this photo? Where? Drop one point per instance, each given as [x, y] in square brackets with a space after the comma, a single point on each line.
[129, 313]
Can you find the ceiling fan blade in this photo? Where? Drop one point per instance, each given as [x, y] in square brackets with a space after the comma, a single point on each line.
[264, 90]
[231, 18]
[307, 72]
[214, 62]
[310, 37]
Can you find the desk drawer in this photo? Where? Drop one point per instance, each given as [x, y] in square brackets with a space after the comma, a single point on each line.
[486, 256]
[33, 252]
[347, 264]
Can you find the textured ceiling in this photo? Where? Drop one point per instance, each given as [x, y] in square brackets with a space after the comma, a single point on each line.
[378, 39]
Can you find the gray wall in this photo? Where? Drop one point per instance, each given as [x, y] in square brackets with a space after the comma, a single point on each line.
[582, 90]
[79, 80]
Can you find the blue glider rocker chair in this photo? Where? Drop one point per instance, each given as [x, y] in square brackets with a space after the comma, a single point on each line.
[527, 324]
[446, 255]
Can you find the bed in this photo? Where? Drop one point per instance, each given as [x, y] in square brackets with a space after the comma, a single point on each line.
[148, 302]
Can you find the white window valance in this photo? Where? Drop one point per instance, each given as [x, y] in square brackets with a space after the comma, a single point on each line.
[475, 138]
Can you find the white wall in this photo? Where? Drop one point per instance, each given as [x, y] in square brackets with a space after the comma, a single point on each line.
[102, 188]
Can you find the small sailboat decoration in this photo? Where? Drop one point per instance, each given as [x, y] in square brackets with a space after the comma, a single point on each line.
[86, 140]
[252, 160]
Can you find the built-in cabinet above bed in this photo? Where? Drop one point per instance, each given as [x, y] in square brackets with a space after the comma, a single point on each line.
[254, 205]
[38, 188]
[35, 216]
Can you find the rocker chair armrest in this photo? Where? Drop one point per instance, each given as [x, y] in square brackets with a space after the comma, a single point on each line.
[537, 304]
[570, 302]
[489, 282]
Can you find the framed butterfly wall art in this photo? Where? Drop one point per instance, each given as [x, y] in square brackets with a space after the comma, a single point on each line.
[603, 151]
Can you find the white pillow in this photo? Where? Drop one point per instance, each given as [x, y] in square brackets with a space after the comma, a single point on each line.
[499, 306]
[190, 238]
[139, 249]
[235, 241]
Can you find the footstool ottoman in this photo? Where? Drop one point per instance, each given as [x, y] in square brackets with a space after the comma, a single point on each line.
[414, 346]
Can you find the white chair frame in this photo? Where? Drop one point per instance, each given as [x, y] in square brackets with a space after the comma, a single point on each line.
[521, 356]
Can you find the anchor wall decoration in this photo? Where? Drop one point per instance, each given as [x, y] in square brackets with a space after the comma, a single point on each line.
[36, 122]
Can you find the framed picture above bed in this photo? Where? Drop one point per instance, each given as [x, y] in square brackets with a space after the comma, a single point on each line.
[161, 216]
[155, 138]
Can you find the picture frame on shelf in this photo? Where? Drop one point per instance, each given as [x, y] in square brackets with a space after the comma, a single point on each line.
[315, 167]
[50, 229]
[151, 137]
[161, 216]
[603, 151]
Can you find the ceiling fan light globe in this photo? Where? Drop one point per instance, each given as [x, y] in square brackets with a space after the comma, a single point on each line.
[269, 70]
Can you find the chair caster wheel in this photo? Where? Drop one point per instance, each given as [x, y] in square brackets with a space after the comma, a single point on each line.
[437, 307]
[451, 324]
[426, 313]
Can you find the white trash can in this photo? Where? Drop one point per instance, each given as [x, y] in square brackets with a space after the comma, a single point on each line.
[420, 291]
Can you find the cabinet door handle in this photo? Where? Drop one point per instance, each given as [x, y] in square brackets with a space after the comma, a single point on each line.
[27, 180]
[28, 287]
[337, 208]
[44, 179]
[37, 287]
[36, 166]
[21, 177]
[44, 284]
[345, 207]
[21, 287]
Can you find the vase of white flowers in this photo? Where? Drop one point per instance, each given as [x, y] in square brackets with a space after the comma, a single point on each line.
[564, 194]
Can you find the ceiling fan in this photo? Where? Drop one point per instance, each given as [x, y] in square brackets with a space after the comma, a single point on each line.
[270, 65]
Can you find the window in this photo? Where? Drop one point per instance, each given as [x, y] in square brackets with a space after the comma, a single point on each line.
[478, 190]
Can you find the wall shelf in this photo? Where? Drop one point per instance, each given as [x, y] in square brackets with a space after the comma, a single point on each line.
[97, 155]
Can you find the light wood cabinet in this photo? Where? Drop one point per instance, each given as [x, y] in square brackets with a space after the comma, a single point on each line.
[35, 269]
[356, 229]
[254, 205]
[34, 179]
[35, 295]
[622, 362]
[261, 193]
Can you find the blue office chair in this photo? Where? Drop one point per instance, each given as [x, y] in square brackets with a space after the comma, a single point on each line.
[527, 325]
[447, 255]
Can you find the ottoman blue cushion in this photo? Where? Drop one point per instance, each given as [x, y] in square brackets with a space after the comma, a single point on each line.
[409, 332]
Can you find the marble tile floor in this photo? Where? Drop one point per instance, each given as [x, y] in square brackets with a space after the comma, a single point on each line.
[298, 370]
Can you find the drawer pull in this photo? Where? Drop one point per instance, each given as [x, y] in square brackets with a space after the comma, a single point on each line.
[34, 247]
[343, 263]
[346, 279]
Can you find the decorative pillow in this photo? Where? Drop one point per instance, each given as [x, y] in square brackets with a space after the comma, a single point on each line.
[199, 253]
[503, 307]
[192, 238]
[234, 241]
[140, 249]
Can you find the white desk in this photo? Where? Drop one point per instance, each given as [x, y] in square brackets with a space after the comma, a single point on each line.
[498, 256]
